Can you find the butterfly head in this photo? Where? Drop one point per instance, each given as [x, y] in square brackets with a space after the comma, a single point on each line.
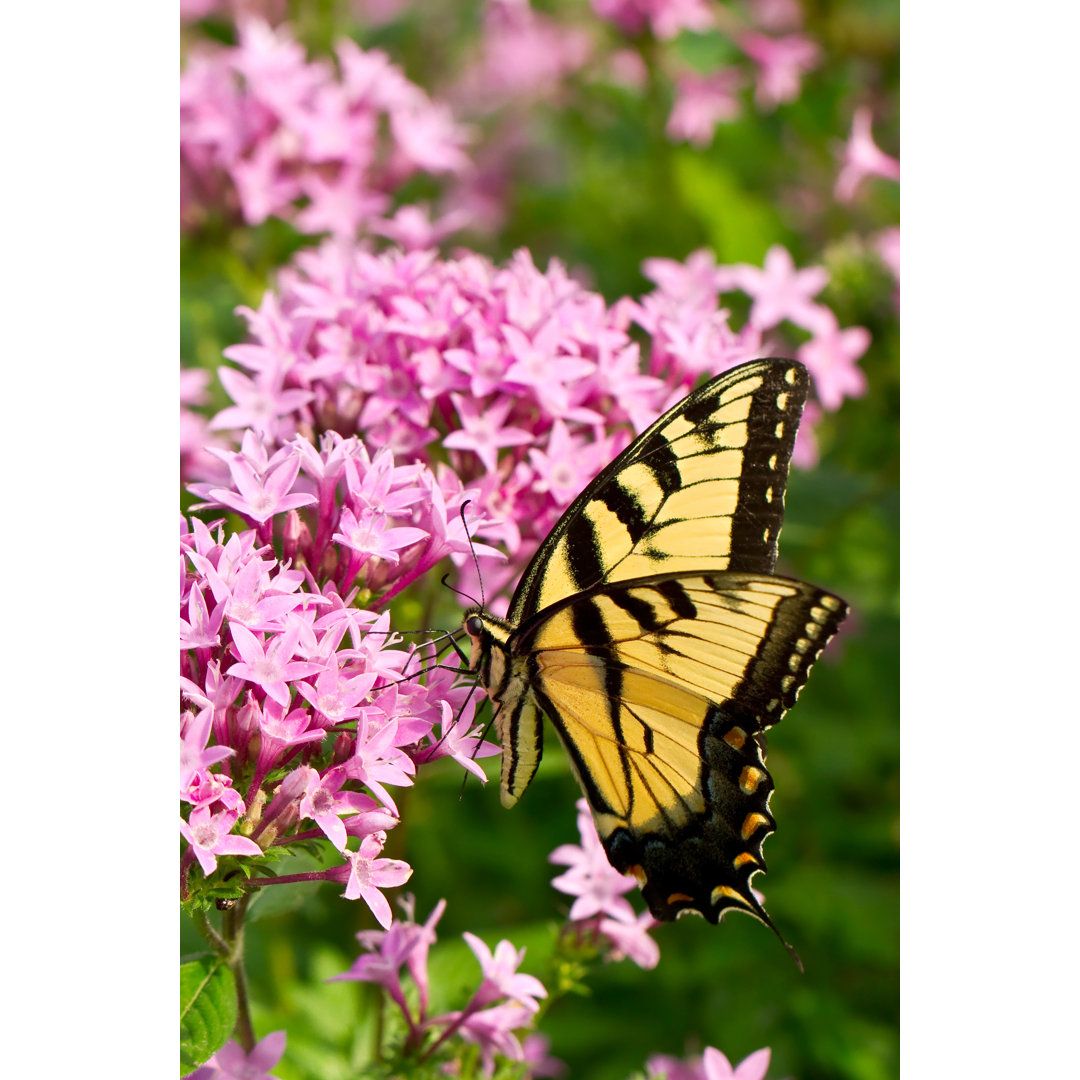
[490, 637]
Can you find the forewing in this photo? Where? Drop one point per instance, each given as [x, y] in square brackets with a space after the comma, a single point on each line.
[701, 490]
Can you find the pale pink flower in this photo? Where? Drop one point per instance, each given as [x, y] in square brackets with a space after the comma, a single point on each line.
[629, 937]
[211, 835]
[862, 158]
[781, 64]
[781, 292]
[482, 430]
[367, 874]
[598, 886]
[501, 976]
[232, 1062]
[831, 356]
[701, 102]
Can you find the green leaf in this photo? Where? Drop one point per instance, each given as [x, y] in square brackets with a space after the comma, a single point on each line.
[207, 1010]
[740, 224]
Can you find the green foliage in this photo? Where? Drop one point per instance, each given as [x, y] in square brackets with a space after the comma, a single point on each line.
[207, 1009]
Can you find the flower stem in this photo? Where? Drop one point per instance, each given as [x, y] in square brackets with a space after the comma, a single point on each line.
[232, 925]
[212, 937]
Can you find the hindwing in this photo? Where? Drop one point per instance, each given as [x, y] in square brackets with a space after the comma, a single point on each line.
[660, 689]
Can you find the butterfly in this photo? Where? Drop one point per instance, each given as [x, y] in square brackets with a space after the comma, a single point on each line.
[650, 630]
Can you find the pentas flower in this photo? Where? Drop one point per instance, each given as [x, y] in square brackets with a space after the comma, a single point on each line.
[701, 102]
[711, 1065]
[781, 63]
[503, 1004]
[294, 695]
[666, 18]
[781, 292]
[600, 908]
[629, 938]
[525, 379]
[492, 1030]
[831, 355]
[523, 54]
[263, 129]
[776, 15]
[598, 886]
[210, 835]
[862, 158]
[459, 741]
[367, 874]
[232, 1062]
[412, 228]
[501, 977]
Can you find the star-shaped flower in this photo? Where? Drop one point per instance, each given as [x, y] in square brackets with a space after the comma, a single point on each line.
[781, 292]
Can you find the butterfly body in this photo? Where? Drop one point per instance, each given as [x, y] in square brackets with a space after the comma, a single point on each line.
[651, 632]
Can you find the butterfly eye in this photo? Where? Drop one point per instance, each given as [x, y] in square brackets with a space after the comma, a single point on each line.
[474, 625]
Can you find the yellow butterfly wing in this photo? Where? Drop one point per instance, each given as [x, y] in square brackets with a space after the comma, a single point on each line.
[662, 712]
[649, 629]
[701, 489]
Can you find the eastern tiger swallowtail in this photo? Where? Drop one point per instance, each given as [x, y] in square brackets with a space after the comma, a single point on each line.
[651, 631]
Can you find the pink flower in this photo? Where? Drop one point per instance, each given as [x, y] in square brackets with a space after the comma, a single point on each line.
[712, 1065]
[665, 17]
[629, 937]
[524, 54]
[781, 64]
[210, 835]
[781, 292]
[367, 874]
[377, 758]
[598, 886]
[277, 128]
[270, 663]
[263, 488]
[493, 1031]
[457, 740]
[195, 755]
[482, 430]
[501, 977]
[324, 803]
[231, 1062]
[717, 1066]
[830, 356]
[862, 159]
[701, 102]
[412, 228]
[261, 402]
[404, 942]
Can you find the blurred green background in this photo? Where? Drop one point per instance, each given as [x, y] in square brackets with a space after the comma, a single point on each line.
[613, 191]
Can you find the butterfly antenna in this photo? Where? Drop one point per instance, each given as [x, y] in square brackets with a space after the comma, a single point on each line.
[476, 561]
[446, 583]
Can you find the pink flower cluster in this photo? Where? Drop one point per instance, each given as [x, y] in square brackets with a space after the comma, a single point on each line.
[704, 99]
[526, 380]
[601, 913]
[267, 129]
[505, 1002]
[300, 711]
